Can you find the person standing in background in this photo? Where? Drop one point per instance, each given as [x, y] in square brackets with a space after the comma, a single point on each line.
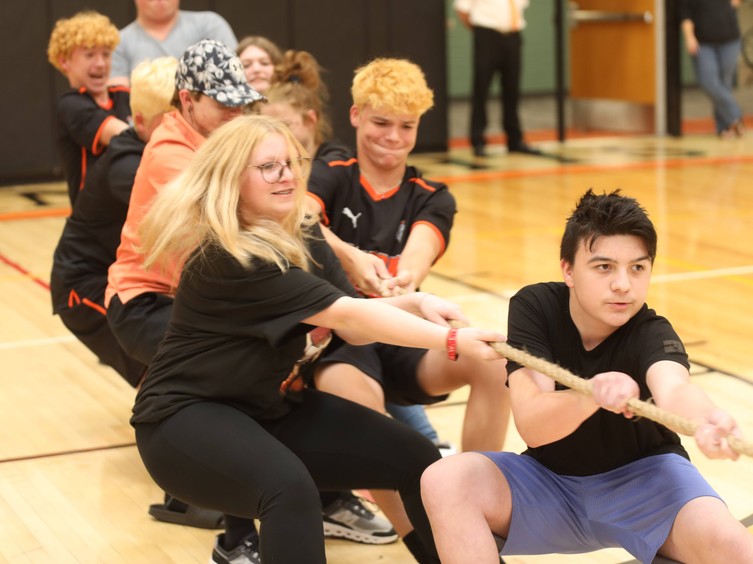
[497, 47]
[712, 37]
[162, 29]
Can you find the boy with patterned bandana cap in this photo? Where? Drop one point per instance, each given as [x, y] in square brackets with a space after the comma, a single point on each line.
[210, 89]
[90, 113]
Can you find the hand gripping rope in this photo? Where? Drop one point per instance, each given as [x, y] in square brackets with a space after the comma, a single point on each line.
[639, 407]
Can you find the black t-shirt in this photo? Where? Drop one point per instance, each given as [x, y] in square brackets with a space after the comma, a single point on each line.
[715, 21]
[379, 223]
[236, 333]
[91, 234]
[539, 322]
[80, 121]
[333, 149]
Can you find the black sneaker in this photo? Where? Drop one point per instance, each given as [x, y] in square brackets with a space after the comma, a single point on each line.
[348, 518]
[245, 553]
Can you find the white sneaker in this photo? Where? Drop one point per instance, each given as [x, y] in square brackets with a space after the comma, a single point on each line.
[348, 518]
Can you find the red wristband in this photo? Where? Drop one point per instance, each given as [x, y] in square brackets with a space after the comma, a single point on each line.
[452, 344]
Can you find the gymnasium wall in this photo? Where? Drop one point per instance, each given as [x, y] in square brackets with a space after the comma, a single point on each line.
[538, 50]
[342, 34]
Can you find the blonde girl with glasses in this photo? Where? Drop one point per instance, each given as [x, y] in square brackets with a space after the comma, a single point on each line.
[222, 420]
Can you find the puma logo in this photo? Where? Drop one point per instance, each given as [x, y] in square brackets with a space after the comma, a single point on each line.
[353, 218]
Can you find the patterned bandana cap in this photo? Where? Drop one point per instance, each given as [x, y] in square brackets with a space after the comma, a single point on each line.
[211, 68]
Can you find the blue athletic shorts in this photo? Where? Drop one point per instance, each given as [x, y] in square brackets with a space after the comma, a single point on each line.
[632, 507]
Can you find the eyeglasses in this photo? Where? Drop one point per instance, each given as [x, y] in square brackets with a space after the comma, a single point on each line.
[272, 172]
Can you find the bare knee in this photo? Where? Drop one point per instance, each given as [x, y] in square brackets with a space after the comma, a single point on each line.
[705, 531]
[432, 479]
[467, 486]
[453, 477]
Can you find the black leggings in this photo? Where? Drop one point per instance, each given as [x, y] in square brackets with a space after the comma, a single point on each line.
[215, 456]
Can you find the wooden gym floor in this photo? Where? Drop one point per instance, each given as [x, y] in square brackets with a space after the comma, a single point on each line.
[72, 487]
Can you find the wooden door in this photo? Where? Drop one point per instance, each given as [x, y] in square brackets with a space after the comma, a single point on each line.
[613, 59]
[613, 55]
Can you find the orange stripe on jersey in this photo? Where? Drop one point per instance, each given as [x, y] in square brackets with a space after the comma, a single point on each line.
[439, 235]
[422, 183]
[96, 149]
[73, 299]
[376, 196]
[94, 306]
[323, 213]
[83, 168]
[343, 163]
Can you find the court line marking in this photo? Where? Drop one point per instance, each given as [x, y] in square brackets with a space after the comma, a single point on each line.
[581, 169]
[68, 452]
[702, 274]
[488, 175]
[35, 214]
[12, 345]
[21, 270]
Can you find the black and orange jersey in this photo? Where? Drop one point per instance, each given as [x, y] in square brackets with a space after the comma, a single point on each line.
[80, 121]
[91, 234]
[379, 223]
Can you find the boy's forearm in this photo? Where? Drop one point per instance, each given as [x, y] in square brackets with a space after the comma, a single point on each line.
[419, 254]
[688, 401]
[544, 417]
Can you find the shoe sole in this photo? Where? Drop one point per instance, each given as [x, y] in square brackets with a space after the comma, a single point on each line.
[337, 531]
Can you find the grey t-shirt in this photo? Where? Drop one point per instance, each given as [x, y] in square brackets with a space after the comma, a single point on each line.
[137, 45]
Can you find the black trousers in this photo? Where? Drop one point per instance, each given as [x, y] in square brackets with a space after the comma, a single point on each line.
[213, 455]
[86, 318]
[493, 53]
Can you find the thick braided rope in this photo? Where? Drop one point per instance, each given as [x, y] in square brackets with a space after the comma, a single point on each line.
[639, 407]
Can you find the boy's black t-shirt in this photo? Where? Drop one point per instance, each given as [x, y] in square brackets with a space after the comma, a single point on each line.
[80, 119]
[539, 322]
[91, 234]
[379, 223]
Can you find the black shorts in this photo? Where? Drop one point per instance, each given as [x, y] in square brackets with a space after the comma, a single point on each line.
[140, 324]
[394, 367]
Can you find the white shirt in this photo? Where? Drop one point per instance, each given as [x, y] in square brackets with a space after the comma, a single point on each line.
[494, 14]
